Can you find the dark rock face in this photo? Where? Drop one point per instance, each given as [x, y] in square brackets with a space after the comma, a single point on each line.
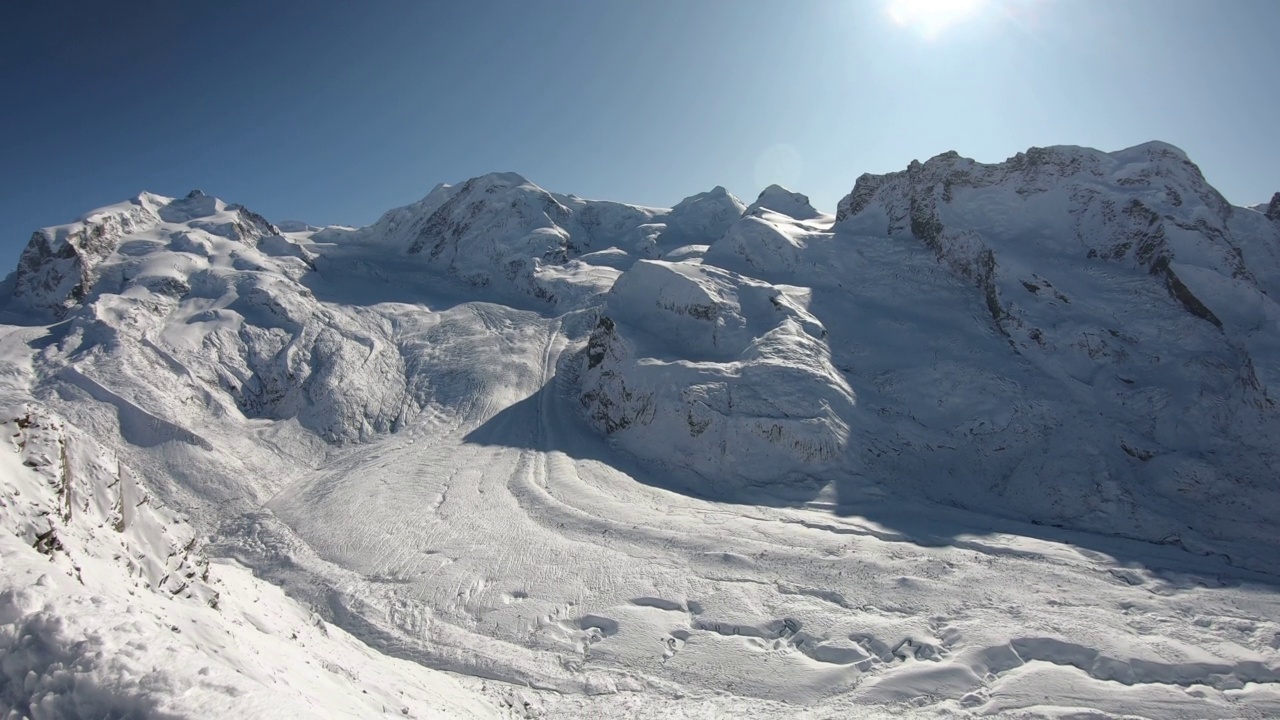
[598, 344]
[1273, 209]
[1182, 293]
[51, 276]
[55, 271]
[251, 224]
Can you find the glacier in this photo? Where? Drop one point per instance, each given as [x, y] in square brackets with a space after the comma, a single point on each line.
[990, 439]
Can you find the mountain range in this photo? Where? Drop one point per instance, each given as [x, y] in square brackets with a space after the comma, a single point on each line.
[991, 438]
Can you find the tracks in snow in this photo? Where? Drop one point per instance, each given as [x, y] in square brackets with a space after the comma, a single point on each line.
[532, 557]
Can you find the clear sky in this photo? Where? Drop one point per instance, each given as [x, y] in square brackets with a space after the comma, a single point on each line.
[333, 111]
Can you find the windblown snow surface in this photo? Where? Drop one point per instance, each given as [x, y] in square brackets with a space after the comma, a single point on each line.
[992, 440]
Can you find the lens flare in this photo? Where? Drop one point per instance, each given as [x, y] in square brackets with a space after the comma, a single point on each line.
[933, 17]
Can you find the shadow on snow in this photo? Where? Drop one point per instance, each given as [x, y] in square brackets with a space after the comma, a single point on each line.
[547, 421]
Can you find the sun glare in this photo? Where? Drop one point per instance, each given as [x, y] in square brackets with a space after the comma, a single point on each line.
[933, 17]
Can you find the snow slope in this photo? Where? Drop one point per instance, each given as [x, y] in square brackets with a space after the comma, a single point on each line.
[990, 440]
[109, 609]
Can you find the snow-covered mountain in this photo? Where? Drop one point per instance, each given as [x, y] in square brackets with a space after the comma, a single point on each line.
[523, 436]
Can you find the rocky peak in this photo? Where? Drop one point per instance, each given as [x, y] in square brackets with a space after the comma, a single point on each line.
[56, 269]
[717, 195]
[61, 265]
[251, 224]
[193, 206]
[1273, 209]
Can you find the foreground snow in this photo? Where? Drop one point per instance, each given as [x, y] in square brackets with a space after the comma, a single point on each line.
[88, 651]
[992, 440]
[93, 625]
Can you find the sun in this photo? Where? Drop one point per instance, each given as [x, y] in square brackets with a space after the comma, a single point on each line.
[933, 17]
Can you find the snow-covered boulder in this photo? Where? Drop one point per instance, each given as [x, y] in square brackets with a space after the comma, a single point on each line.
[711, 371]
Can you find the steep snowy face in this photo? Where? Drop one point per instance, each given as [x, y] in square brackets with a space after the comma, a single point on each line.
[505, 214]
[1031, 231]
[503, 232]
[63, 266]
[109, 608]
[696, 367]
[73, 500]
[769, 245]
[704, 217]
[1128, 279]
[503, 229]
[784, 202]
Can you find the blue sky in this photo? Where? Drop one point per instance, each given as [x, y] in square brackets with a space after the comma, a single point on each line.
[333, 111]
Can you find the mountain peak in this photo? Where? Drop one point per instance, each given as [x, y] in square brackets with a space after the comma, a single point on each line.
[716, 195]
[503, 178]
[707, 216]
[1153, 148]
[783, 201]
